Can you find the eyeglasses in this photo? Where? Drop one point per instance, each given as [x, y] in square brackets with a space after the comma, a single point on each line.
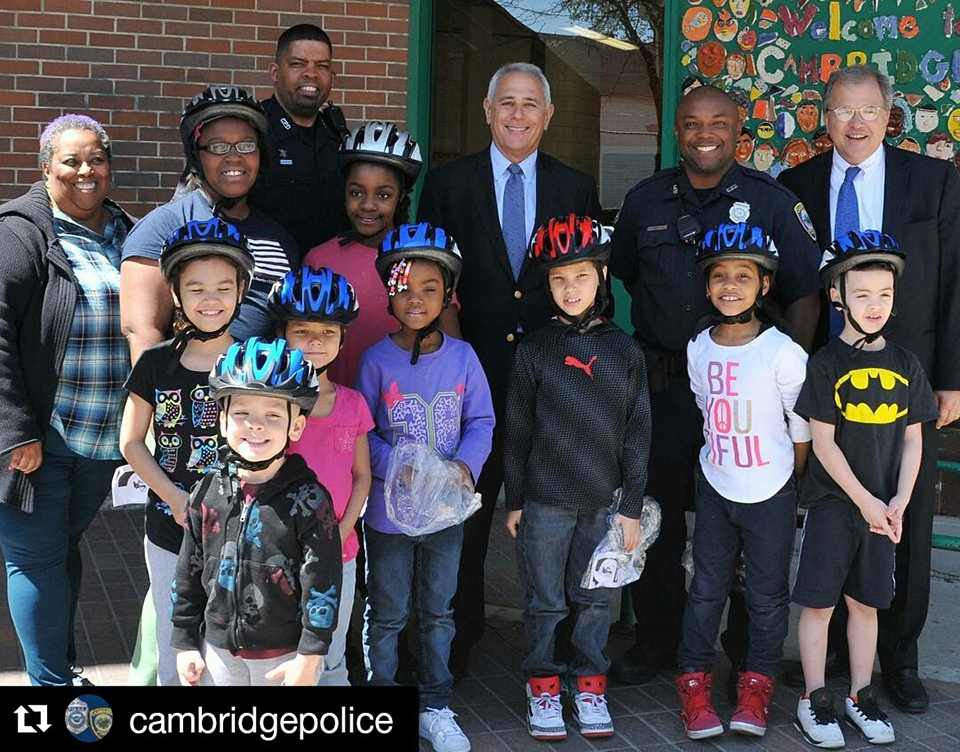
[221, 148]
[868, 112]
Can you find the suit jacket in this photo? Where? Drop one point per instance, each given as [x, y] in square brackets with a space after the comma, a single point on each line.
[460, 198]
[921, 210]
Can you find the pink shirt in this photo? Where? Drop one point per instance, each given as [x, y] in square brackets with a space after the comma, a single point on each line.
[355, 261]
[328, 445]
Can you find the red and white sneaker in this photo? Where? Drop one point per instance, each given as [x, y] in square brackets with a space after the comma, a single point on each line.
[544, 711]
[590, 707]
[696, 708]
[754, 692]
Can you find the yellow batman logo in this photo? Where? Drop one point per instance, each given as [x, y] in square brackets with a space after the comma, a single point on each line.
[861, 412]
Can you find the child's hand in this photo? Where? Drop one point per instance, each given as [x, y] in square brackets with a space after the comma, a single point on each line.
[874, 512]
[345, 531]
[631, 532]
[465, 475]
[190, 666]
[302, 671]
[178, 507]
[513, 522]
[895, 510]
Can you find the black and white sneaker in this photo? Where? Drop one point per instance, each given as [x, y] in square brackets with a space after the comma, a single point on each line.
[817, 721]
[864, 714]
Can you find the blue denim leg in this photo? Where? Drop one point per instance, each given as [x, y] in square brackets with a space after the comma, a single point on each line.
[436, 567]
[768, 530]
[716, 543]
[553, 550]
[43, 556]
[389, 567]
[591, 607]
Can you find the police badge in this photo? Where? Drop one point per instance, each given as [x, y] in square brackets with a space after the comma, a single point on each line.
[740, 211]
[101, 721]
[76, 717]
[804, 218]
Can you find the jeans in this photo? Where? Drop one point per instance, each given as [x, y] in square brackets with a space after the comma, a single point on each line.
[554, 547]
[393, 562]
[335, 662]
[766, 530]
[42, 552]
[162, 568]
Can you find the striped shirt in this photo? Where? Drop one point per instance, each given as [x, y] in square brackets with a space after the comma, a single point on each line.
[90, 395]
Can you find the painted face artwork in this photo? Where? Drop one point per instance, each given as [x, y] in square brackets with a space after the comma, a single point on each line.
[696, 23]
[796, 151]
[939, 146]
[736, 65]
[763, 156]
[765, 130]
[785, 125]
[739, 8]
[895, 123]
[822, 141]
[711, 58]
[747, 39]
[953, 123]
[744, 147]
[926, 119]
[725, 27]
[808, 117]
[909, 144]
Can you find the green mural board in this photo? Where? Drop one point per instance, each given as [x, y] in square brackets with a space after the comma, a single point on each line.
[774, 58]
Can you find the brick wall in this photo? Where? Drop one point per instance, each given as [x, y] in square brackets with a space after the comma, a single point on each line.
[131, 64]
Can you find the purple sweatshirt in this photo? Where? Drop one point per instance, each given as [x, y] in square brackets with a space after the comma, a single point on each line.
[444, 401]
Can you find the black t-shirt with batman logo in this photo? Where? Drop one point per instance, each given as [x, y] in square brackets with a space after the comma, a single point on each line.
[870, 397]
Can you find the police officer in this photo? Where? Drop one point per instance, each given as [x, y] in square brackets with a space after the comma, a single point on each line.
[303, 190]
[654, 253]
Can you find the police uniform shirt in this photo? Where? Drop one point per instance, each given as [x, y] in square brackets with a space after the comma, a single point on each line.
[659, 269]
[303, 187]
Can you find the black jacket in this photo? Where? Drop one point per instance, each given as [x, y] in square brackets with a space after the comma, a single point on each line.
[260, 577]
[460, 198]
[38, 294]
[921, 209]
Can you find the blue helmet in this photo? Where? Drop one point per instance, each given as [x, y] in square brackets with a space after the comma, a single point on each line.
[206, 237]
[860, 247]
[420, 241]
[314, 295]
[738, 240]
[267, 369]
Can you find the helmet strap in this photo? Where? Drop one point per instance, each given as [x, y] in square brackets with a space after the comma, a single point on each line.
[421, 335]
[580, 324]
[841, 306]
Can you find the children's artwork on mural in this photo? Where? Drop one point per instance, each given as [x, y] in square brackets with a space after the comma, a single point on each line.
[774, 58]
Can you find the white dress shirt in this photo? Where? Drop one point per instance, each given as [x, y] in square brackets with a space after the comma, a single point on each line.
[500, 176]
[869, 187]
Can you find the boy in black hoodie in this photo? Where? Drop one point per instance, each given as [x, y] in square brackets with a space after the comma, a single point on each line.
[257, 588]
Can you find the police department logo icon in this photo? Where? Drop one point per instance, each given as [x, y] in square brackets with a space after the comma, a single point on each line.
[89, 718]
[740, 211]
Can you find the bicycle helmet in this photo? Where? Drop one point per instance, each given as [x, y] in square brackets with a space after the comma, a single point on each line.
[217, 102]
[266, 369]
[418, 241]
[206, 237]
[383, 143]
[737, 240]
[568, 239]
[313, 295]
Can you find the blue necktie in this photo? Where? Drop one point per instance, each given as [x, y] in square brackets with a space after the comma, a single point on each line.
[514, 222]
[846, 219]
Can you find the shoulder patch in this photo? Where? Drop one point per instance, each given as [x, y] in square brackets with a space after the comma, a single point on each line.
[804, 218]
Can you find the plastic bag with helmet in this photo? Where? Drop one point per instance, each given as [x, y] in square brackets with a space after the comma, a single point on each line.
[267, 369]
[313, 295]
[217, 102]
[423, 492]
[856, 248]
[612, 566]
[383, 143]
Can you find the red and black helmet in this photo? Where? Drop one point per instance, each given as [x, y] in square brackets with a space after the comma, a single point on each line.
[568, 239]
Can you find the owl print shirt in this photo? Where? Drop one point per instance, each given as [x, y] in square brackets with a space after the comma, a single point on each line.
[869, 397]
[186, 432]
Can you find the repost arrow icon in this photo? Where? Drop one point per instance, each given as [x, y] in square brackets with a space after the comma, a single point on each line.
[42, 710]
[23, 728]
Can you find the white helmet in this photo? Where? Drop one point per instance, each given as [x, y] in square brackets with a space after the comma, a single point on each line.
[383, 143]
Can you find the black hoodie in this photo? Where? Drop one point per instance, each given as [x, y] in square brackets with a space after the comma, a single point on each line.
[262, 576]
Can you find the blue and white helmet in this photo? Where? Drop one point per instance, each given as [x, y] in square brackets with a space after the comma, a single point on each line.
[860, 247]
[419, 241]
[738, 240]
[206, 237]
[267, 369]
[314, 295]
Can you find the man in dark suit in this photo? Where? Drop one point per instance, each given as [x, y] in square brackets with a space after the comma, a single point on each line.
[917, 200]
[491, 202]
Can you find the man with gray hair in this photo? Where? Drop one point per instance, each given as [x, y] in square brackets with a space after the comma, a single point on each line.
[864, 184]
[491, 202]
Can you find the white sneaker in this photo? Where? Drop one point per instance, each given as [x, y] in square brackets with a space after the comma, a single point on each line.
[865, 715]
[544, 711]
[591, 713]
[817, 721]
[441, 730]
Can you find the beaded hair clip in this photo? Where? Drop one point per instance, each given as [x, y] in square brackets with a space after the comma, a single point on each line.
[399, 276]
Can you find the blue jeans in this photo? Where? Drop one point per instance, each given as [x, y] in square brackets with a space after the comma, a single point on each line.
[766, 530]
[393, 563]
[554, 547]
[42, 552]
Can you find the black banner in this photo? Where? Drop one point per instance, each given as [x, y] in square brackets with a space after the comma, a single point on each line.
[111, 716]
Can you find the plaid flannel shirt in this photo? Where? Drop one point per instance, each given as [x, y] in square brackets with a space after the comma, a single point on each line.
[90, 395]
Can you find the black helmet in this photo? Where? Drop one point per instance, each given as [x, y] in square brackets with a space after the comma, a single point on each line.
[383, 143]
[216, 102]
[206, 237]
[313, 295]
[738, 240]
[266, 369]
